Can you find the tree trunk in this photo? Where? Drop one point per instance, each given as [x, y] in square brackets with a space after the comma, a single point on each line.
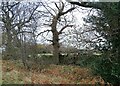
[56, 47]
[23, 52]
[55, 40]
[8, 26]
[9, 47]
[55, 33]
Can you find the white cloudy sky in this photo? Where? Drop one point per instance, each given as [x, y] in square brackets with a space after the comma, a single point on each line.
[64, 0]
[78, 13]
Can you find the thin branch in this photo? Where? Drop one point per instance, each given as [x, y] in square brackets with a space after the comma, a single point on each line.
[47, 24]
[88, 31]
[90, 11]
[51, 8]
[62, 6]
[43, 32]
[69, 10]
[27, 21]
[47, 39]
[47, 9]
[60, 32]
[57, 6]
[25, 32]
[32, 13]
[86, 4]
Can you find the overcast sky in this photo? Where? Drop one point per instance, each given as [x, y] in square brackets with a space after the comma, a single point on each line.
[78, 13]
[64, 0]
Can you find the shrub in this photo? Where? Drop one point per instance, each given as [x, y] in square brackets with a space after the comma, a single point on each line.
[109, 68]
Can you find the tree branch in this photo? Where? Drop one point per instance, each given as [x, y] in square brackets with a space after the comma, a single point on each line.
[85, 4]
[69, 10]
[57, 6]
[47, 9]
[47, 39]
[43, 32]
[24, 32]
[60, 32]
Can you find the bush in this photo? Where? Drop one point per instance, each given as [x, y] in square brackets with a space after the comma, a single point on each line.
[87, 60]
[109, 68]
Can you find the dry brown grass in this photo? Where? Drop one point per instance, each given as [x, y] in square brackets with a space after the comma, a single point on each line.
[52, 74]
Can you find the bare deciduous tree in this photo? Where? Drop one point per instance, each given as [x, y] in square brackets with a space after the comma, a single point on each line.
[19, 24]
[58, 24]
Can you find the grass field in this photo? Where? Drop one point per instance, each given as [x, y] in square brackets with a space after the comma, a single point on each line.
[13, 72]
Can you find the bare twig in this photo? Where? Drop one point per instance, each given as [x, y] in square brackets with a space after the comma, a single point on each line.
[60, 32]
[57, 6]
[69, 10]
[47, 9]
[43, 32]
